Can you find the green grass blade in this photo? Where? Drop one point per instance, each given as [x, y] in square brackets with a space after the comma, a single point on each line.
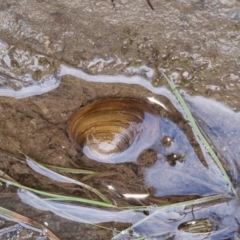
[67, 179]
[60, 178]
[199, 134]
[58, 196]
[189, 203]
[7, 177]
[68, 170]
[44, 202]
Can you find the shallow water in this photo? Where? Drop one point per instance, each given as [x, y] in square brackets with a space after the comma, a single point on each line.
[189, 177]
[88, 50]
[160, 223]
[191, 168]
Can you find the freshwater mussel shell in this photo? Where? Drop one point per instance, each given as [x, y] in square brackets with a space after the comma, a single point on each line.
[114, 130]
[197, 226]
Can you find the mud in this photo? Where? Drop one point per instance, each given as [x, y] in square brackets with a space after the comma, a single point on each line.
[38, 128]
[195, 42]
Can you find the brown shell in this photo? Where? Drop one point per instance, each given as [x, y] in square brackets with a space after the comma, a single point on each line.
[113, 130]
[202, 225]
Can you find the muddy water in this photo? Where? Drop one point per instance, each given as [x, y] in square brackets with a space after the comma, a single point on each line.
[90, 50]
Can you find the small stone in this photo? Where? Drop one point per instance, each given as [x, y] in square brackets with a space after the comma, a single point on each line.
[185, 75]
[167, 141]
[174, 76]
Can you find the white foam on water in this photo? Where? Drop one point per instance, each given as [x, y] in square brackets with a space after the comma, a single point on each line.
[33, 88]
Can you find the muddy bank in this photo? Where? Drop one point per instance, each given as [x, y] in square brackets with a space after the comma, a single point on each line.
[197, 41]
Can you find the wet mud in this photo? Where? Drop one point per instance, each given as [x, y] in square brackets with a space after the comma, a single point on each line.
[196, 43]
[39, 126]
[161, 174]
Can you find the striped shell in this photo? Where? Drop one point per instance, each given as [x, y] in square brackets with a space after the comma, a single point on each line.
[113, 130]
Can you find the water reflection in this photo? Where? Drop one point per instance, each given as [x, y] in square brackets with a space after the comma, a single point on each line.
[176, 171]
[161, 222]
[221, 126]
[187, 176]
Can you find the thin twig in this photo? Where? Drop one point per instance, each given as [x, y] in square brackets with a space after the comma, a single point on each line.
[150, 5]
